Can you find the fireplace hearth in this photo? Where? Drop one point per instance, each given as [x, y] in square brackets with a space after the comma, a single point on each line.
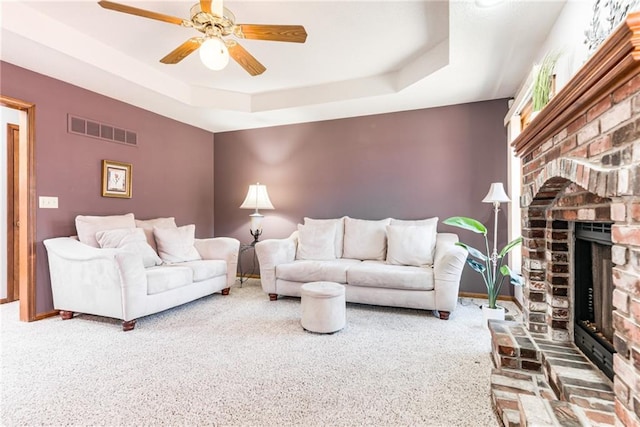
[593, 294]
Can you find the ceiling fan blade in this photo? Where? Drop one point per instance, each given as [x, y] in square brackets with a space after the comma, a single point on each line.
[205, 6]
[278, 33]
[245, 59]
[217, 8]
[212, 7]
[182, 51]
[140, 12]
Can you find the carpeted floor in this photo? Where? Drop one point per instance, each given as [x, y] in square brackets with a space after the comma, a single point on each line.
[241, 360]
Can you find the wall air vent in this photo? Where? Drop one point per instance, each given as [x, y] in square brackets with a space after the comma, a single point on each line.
[103, 131]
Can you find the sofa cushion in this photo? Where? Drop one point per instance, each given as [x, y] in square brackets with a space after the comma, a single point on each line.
[364, 239]
[316, 271]
[165, 278]
[176, 244]
[382, 275]
[339, 222]
[316, 241]
[428, 221]
[411, 244]
[132, 240]
[205, 269]
[148, 224]
[87, 226]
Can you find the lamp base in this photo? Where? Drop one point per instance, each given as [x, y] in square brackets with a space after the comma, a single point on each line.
[256, 236]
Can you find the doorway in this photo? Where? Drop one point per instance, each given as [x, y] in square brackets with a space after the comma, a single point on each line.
[23, 233]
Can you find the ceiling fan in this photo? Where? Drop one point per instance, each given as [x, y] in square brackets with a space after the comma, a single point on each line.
[217, 23]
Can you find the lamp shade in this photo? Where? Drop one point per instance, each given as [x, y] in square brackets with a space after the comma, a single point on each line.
[257, 198]
[496, 194]
[214, 54]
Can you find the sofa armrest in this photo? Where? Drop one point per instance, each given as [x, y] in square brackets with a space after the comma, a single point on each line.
[223, 248]
[271, 253]
[72, 249]
[94, 280]
[447, 269]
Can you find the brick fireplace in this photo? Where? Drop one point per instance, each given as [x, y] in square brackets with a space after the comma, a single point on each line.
[581, 164]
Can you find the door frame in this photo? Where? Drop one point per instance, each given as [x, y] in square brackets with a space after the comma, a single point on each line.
[13, 139]
[26, 209]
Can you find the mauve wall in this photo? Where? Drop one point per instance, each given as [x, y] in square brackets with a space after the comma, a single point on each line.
[414, 164]
[172, 164]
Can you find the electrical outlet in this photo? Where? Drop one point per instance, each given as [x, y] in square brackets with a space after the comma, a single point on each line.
[48, 202]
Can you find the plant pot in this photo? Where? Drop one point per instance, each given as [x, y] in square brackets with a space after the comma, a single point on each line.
[491, 313]
[534, 114]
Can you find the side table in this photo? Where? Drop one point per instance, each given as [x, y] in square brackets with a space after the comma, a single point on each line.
[247, 271]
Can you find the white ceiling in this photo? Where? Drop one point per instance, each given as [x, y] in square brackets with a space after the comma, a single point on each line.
[360, 57]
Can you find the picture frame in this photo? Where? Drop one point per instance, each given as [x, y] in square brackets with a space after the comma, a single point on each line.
[116, 179]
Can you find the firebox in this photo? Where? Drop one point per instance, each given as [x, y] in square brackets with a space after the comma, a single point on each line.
[593, 322]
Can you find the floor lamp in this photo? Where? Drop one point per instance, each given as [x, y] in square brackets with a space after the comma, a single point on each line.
[496, 195]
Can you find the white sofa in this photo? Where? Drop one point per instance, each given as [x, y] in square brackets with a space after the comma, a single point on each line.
[389, 262]
[114, 268]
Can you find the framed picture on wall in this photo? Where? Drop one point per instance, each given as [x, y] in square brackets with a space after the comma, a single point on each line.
[116, 179]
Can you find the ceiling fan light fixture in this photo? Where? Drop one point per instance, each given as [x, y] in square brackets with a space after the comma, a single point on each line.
[214, 54]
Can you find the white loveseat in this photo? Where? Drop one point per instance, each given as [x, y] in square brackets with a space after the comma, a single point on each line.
[124, 268]
[389, 262]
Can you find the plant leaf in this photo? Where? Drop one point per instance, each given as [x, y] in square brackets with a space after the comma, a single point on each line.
[480, 268]
[509, 246]
[466, 224]
[473, 251]
[543, 80]
[515, 278]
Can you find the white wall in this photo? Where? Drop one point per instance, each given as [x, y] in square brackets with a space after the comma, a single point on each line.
[7, 115]
[567, 37]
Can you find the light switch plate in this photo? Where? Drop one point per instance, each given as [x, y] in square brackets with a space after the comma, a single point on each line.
[46, 202]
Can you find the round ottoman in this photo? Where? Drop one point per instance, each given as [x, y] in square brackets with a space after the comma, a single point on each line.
[323, 307]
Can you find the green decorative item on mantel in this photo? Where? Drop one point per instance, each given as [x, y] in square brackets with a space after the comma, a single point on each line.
[489, 264]
[543, 80]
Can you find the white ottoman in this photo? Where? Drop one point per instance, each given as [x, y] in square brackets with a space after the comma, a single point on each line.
[323, 307]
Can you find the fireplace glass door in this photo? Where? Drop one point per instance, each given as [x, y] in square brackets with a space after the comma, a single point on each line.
[593, 331]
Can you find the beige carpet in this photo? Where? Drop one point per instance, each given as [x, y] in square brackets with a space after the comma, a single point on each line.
[242, 360]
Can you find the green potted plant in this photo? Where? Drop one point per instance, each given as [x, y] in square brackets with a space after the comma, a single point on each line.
[542, 82]
[489, 264]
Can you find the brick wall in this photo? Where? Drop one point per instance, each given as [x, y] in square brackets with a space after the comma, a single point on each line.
[581, 162]
[588, 170]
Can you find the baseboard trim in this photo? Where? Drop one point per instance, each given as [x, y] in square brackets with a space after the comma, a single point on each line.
[484, 296]
[516, 302]
[46, 315]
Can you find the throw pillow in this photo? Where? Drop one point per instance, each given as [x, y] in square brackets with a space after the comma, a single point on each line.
[88, 226]
[131, 239]
[316, 241]
[365, 239]
[176, 244]
[148, 224]
[410, 244]
[428, 221]
[339, 222]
